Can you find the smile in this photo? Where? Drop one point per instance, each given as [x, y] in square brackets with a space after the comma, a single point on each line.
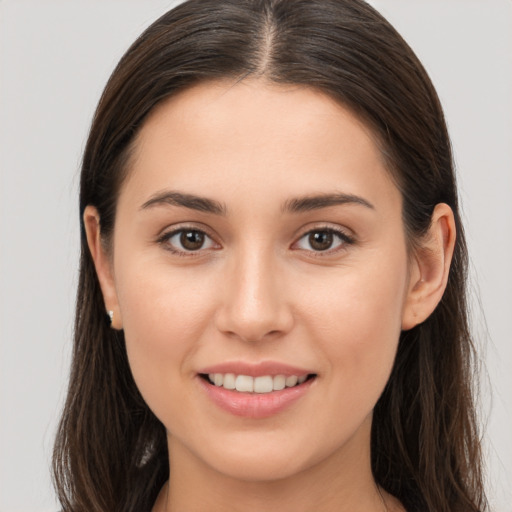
[262, 384]
[255, 391]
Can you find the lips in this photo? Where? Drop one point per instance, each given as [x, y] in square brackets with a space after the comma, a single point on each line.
[255, 390]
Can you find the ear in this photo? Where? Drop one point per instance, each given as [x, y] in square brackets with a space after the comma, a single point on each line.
[102, 263]
[430, 267]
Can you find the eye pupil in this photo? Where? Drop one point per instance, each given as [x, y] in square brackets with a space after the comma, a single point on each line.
[320, 240]
[192, 240]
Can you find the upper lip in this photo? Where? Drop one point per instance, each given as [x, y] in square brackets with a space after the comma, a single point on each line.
[271, 368]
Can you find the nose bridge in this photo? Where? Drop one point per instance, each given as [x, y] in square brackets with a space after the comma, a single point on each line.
[254, 301]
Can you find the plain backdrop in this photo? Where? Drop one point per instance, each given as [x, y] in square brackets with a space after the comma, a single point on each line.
[55, 57]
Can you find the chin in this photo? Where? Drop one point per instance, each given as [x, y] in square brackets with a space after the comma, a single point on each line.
[260, 469]
[256, 458]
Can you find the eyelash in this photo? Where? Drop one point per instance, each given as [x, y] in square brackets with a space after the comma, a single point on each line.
[166, 237]
[343, 238]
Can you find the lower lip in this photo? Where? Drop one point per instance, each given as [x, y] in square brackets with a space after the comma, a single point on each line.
[255, 405]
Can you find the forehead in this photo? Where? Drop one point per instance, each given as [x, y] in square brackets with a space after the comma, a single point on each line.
[258, 135]
[221, 107]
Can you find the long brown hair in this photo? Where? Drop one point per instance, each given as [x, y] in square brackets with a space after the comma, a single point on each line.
[110, 452]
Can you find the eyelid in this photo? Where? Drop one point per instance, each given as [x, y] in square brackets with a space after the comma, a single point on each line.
[169, 232]
[345, 238]
[343, 234]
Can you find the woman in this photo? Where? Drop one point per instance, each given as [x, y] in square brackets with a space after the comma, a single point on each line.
[270, 219]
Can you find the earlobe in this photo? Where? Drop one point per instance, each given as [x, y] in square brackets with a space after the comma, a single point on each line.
[430, 268]
[102, 264]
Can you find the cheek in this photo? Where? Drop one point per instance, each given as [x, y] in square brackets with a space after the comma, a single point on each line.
[357, 325]
[164, 314]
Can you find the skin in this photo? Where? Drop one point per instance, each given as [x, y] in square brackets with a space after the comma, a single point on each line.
[257, 290]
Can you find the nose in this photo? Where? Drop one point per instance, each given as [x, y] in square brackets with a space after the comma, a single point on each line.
[254, 303]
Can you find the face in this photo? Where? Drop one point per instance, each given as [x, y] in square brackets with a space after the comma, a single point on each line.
[259, 242]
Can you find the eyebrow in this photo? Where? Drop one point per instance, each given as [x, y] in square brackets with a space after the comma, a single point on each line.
[295, 205]
[318, 201]
[190, 201]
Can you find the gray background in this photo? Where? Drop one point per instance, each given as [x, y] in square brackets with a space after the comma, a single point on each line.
[55, 57]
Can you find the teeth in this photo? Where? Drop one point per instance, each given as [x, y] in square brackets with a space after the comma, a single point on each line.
[248, 384]
[244, 383]
[263, 384]
[291, 381]
[229, 381]
[279, 382]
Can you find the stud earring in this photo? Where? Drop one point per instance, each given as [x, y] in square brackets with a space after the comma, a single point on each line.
[110, 315]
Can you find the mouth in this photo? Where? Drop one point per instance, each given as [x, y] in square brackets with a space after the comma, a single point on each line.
[256, 396]
[263, 384]
[257, 389]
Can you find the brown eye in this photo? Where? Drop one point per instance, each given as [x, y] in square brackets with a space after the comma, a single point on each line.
[184, 241]
[320, 240]
[192, 240]
[323, 240]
